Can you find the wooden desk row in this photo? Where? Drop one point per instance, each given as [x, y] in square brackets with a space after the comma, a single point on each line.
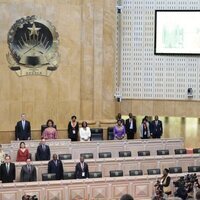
[125, 164]
[141, 187]
[61, 146]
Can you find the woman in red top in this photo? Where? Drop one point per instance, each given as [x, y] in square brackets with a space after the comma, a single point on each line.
[23, 153]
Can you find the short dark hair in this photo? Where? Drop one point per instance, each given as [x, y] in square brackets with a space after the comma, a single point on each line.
[126, 197]
[21, 144]
[85, 123]
[74, 116]
[167, 170]
[198, 195]
[50, 120]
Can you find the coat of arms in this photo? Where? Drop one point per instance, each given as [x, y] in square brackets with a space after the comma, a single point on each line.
[33, 45]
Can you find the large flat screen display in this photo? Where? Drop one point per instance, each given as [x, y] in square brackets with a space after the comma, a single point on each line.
[177, 32]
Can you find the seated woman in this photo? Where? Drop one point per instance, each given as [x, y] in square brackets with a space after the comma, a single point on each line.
[165, 182]
[119, 130]
[22, 153]
[84, 132]
[144, 129]
[50, 132]
[73, 128]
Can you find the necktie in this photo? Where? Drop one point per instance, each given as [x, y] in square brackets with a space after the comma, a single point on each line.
[7, 168]
[82, 166]
[23, 124]
[43, 147]
[29, 168]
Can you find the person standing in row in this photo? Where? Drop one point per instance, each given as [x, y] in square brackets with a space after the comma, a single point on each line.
[50, 132]
[156, 128]
[56, 166]
[7, 170]
[23, 129]
[81, 169]
[119, 117]
[73, 128]
[22, 153]
[144, 129]
[84, 132]
[131, 126]
[28, 172]
[119, 130]
[43, 151]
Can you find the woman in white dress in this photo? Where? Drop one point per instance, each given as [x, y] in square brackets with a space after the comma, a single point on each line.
[84, 132]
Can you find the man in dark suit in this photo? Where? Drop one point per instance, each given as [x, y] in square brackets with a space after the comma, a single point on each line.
[28, 172]
[81, 169]
[23, 129]
[156, 128]
[56, 166]
[130, 126]
[43, 151]
[7, 170]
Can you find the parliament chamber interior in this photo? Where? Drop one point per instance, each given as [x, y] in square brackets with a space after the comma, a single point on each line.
[99, 99]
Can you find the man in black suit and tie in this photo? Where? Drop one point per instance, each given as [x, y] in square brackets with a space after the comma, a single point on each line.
[156, 128]
[56, 166]
[43, 151]
[130, 126]
[81, 169]
[28, 172]
[7, 170]
[23, 129]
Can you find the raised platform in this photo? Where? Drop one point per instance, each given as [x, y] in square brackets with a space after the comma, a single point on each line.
[60, 146]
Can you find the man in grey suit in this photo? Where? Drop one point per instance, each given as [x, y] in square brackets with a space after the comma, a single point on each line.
[28, 172]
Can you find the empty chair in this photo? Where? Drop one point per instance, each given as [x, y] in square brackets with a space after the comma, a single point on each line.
[125, 154]
[196, 150]
[105, 155]
[180, 151]
[143, 153]
[193, 168]
[153, 171]
[48, 176]
[163, 152]
[95, 174]
[69, 175]
[66, 156]
[173, 170]
[116, 173]
[110, 134]
[96, 134]
[135, 172]
[87, 155]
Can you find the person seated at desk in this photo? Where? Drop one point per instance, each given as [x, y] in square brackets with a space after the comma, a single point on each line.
[165, 182]
[2, 155]
[84, 132]
[43, 151]
[119, 130]
[28, 172]
[73, 128]
[22, 153]
[50, 132]
[56, 166]
[81, 169]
